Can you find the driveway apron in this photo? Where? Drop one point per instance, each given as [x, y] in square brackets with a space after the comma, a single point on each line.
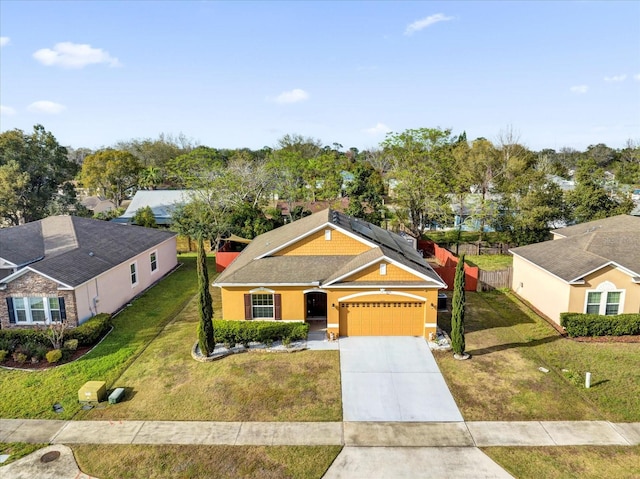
[393, 378]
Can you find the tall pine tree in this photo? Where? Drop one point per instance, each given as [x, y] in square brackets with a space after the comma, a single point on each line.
[457, 311]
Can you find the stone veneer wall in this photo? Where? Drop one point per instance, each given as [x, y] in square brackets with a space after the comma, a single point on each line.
[32, 284]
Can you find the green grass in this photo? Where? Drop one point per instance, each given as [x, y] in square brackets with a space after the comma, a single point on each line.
[25, 394]
[502, 382]
[168, 462]
[490, 262]
[450, 236]
[165, 383]
[17, 450]
[583, 462]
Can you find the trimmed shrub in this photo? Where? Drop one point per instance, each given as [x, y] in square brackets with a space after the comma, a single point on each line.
[299, 331]
[29, 349]
[71, 344]
[24, 336]
[244, 332]
[39, 352]
[54, 356]
[268, 331]
[90, 332]
[19, 357]
[578, 324]
[3, 354]
[7, 344]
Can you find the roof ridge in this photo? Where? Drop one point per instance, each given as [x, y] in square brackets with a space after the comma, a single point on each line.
[589, 241]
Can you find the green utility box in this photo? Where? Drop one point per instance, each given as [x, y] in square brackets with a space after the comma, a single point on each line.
[92, 391]
[116, 396]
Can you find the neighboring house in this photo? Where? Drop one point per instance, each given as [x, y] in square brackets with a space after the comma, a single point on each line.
[97, 204]
[591, 267]
[71, 268]
[353, 278]
[161, 202]
[564, 184]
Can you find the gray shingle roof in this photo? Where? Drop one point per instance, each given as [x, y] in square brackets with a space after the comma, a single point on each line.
[161, 202]
[587, 247]
[256, 265]
[73, 250]
[618, 223]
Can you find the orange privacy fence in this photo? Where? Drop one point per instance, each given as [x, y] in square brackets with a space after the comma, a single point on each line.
[447, 263]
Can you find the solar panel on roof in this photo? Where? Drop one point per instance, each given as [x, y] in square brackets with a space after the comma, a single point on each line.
[361, 228]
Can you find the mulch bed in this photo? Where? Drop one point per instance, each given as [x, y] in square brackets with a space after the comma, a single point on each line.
[41, 365]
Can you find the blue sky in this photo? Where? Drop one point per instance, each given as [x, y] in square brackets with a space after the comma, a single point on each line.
[243, 74]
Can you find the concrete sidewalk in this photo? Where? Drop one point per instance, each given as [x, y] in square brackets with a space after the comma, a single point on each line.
[363, 434]
[371, 450]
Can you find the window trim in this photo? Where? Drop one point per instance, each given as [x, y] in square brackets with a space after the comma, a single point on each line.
[153, 261]
[383, 269]
[264, 306]
[605, 288]
[25, 303]
[133, 274]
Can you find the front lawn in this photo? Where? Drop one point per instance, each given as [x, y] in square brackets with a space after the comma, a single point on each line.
[26, 394]
[502, 381]
[568, 462]
[169, 462]
[165, 383]
[17, 450]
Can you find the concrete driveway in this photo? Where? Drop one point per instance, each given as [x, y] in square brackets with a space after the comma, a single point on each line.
[393, 378]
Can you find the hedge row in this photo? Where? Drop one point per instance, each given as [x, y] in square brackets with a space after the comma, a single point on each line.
[90, 332]
[578, 324]
[244, 332]
[87, 334]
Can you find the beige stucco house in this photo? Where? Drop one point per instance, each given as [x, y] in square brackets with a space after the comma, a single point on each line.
[592, 267]
[69, 268]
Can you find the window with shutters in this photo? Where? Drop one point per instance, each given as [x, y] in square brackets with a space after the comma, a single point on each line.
[36, 310]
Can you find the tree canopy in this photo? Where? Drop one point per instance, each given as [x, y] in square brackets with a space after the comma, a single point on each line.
[39, 163]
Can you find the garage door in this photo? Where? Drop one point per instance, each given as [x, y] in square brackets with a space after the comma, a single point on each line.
[382, 319]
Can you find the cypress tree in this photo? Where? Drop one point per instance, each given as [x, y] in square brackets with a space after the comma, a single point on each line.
[205, 326]
[457, 310]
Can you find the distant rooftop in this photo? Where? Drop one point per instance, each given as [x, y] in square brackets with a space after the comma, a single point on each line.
[161, 202]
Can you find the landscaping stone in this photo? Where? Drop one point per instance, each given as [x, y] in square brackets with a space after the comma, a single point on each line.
[220, 351]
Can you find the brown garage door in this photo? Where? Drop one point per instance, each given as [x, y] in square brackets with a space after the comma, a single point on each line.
[382, 319]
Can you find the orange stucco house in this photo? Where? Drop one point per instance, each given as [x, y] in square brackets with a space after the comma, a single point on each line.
[334, 271]
[591, 267]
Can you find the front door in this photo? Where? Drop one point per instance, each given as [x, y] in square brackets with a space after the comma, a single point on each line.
[316, 306]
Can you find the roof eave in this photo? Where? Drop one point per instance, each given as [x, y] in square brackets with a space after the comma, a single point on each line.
[26, 269]
[244, 285]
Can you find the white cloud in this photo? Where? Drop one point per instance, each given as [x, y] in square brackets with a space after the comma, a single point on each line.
[7, 110]
[4, 41]
[46, 106]
[636, 77]
[293, 96]
[579, 89]
[426, 22]
[615, 78]
[74, 55]
[377, 130]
